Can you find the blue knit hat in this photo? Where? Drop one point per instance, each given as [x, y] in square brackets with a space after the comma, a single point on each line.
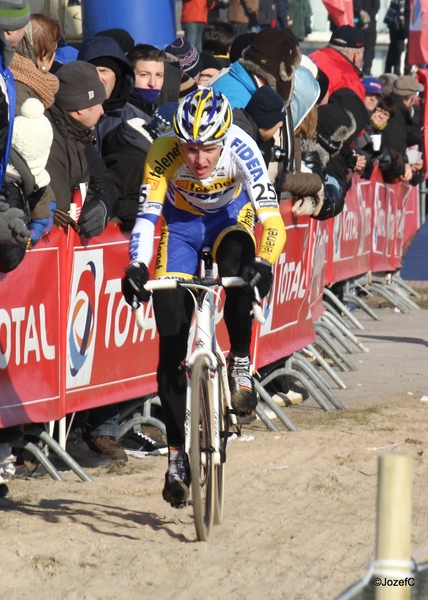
[187, 55]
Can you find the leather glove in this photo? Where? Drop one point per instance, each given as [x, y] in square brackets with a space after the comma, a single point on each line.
[12, 226]
[304, 207]
[62, 219]
[137, 275]
[93, 218]
[259, 274]
[312, 160]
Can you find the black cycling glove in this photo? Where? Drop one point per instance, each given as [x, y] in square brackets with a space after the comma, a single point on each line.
[137, 275]
[259, 274]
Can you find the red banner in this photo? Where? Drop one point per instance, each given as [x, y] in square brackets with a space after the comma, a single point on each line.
[288, 325]
[418, 41]
[341, 12]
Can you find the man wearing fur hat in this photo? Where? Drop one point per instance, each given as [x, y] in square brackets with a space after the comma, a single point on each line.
[14, 16]
[272, 59]
[341, 60]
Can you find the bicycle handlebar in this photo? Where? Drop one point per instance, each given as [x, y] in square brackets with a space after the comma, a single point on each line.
[226, 282]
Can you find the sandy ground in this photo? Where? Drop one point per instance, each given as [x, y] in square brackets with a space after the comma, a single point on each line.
[300, 509]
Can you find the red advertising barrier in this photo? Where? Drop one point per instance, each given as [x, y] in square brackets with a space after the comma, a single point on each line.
[68, 340]
[288, 326]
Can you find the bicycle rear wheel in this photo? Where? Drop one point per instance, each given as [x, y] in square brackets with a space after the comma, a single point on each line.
[201, 449]
[223, 418]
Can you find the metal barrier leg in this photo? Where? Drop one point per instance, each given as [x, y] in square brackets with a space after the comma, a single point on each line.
[403, 294]
[345, 331]
[361, 304]
[328, 340]
[273, 406]
[303, 380]
[334, 331]
[43, 460]
[331, 310]
[390, 297]
[397, 278]
[265, 419]
[62, 454]
[141, 420]
[343, 308]
[312, 373]
[324, 364]
[331, 354]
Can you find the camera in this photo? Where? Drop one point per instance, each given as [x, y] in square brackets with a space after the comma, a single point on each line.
[277, 154]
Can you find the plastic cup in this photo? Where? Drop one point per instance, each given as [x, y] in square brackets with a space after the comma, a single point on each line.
[376, 139]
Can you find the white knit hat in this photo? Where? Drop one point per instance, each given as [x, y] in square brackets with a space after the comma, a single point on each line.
[32, 138]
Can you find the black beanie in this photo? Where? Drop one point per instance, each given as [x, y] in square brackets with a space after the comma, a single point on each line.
[121, 36]
[79, 86]
[266, 107]
[109, 63]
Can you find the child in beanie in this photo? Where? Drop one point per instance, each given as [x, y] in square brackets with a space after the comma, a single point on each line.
[32, 140]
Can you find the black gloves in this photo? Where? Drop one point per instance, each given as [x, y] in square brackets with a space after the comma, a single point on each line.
[259, 274]
[62, 219]
[137, 275]
[312, 160]
[93, 218]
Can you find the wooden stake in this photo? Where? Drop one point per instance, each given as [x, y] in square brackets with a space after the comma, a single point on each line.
[394, 521]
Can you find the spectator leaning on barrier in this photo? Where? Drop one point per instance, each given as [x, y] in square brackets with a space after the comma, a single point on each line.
[271, 59]
[73, 159]
[342, 58]
[14, 16]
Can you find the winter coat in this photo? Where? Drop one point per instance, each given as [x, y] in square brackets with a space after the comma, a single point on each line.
[7, 105]
[125, 154]
[267, 12]
[401, 130]
[117, 108]
[341, 72]
[243, 11]
[300, 12]
[372, 8]
[73, 160]
[238, 85]
[195, 11]
[282, 14]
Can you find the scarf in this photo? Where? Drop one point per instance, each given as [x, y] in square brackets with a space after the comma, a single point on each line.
[45, 85]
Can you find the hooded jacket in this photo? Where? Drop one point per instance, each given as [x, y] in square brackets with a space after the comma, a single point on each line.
[341, 72]
[238, 85]
[117, 108]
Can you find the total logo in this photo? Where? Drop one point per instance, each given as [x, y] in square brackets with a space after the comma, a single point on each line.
[82, 321]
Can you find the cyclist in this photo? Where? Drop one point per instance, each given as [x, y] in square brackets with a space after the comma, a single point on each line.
[207, 181]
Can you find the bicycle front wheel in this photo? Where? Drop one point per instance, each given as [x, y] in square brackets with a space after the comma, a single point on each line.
[201, 448]
[223, 418]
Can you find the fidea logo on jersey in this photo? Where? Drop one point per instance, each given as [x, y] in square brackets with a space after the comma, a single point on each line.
[88, 272]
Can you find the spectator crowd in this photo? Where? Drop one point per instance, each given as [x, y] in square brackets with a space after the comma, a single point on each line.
[82, 121]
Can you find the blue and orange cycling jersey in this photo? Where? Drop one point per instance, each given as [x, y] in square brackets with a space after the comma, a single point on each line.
[189, 207]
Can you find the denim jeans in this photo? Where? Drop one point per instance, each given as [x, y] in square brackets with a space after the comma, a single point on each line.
[193, 33]
[103, 420]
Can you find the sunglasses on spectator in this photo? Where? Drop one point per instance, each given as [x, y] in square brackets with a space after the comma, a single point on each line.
[384, 113]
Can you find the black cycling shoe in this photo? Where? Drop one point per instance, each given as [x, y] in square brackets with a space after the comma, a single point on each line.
[177, 479]
[243, 397]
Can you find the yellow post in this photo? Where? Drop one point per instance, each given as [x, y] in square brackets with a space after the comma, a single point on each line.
[394, 521]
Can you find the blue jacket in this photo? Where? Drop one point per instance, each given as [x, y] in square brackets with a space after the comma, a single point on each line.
[7, 76]
[237, 85]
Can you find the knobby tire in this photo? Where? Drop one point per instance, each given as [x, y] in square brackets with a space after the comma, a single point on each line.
[201, 449]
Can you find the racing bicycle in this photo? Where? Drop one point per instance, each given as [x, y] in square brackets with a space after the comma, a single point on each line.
[209, 412]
